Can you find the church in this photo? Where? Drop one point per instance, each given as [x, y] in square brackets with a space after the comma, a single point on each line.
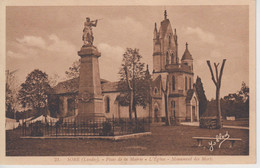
[172, 84]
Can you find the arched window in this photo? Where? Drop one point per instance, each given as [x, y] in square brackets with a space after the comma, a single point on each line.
[173, 109]
[155, 90]
[173, 104]
[107, 104]
[190, 82]
[173, 83]
[167, 58]
[172, 58]
[185, 82]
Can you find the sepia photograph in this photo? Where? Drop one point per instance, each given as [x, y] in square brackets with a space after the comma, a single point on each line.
[129, 84]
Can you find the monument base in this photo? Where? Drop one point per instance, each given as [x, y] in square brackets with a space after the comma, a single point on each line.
[90, 93]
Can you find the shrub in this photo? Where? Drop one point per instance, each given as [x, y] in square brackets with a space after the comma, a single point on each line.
[37, 129]
[107, 129]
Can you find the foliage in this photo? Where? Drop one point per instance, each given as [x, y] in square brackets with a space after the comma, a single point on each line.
[201, 95]
[107, 129]
[53, 105]
[73, 71]
[237, 104]
[139, 79]
[53, 80]
[234, 104]
[33, 92]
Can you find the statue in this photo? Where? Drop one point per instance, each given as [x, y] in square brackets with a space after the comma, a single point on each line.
[88, 37]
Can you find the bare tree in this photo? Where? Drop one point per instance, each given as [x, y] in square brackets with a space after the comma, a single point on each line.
[217, 82]
[165, 91]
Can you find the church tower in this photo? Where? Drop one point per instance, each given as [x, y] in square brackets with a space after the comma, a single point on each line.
[165, 50]
[172, 75]
[187, 58]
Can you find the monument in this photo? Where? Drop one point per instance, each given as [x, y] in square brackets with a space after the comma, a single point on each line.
[90, 94]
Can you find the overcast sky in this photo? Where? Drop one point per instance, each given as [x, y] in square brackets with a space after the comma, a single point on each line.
[48, 38]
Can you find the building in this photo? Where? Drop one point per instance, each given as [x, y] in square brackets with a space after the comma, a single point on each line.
[172, 82]
[173, 75]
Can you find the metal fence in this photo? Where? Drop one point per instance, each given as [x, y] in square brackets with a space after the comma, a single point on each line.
[85, 127]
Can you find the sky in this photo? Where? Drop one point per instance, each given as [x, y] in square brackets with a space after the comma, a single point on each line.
[48, 38]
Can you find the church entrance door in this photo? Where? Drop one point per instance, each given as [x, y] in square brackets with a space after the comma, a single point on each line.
[156, 115]
[194, 117]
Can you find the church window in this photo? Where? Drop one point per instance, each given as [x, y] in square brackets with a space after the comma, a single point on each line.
[167, 58]
[107, 105]
[155, 90]
[173, 83]
[173, 104]
[190, 82]
[173, 109]
[185, 82]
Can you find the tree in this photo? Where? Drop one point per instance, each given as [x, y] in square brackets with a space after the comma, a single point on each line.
[53, 80]
[217, 83]
[133, 81]
[73, 71]
[237, 104]
[201, 95]
[34, 91]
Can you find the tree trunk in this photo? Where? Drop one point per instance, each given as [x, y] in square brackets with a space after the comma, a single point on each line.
[130, 104]
[217, 83]
[167, 122]
[218, 107]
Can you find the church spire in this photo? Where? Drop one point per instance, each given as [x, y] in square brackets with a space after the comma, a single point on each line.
[155, 27]
[165, 14]
[186, 55]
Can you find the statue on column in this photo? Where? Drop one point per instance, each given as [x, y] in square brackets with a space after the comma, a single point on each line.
[88, 37]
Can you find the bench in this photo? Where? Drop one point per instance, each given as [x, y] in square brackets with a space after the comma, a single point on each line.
[232, 140]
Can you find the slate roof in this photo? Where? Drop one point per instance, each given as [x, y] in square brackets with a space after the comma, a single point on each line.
[110, 87]
[163, 29]
[68, 86]
[72, 86]
[157, 81]
[189, 95]
[186, 55]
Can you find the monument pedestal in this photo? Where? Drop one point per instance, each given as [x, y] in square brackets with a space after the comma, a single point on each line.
[90, 93]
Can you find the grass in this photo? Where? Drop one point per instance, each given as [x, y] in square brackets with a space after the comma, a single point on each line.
[164, 140]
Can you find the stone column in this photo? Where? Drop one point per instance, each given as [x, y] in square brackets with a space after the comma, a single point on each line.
[90, 94]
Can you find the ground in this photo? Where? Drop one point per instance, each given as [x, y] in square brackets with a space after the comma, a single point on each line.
[171, 140]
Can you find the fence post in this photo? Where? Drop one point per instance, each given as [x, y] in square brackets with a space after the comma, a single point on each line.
[113, 125]
[74, 127]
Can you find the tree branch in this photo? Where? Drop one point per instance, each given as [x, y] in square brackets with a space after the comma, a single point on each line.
[127, 78]
[216, 68]
[212, 75]
[221, 71]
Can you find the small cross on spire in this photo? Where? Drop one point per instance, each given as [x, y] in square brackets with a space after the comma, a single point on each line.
[186, 45]
[165, 14]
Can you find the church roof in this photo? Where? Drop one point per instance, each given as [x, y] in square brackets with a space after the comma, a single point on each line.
[72, 86]
[68, 86]
[189, 95]
[157, 81]
[186, 55]
[110, 87]
[163, 29]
